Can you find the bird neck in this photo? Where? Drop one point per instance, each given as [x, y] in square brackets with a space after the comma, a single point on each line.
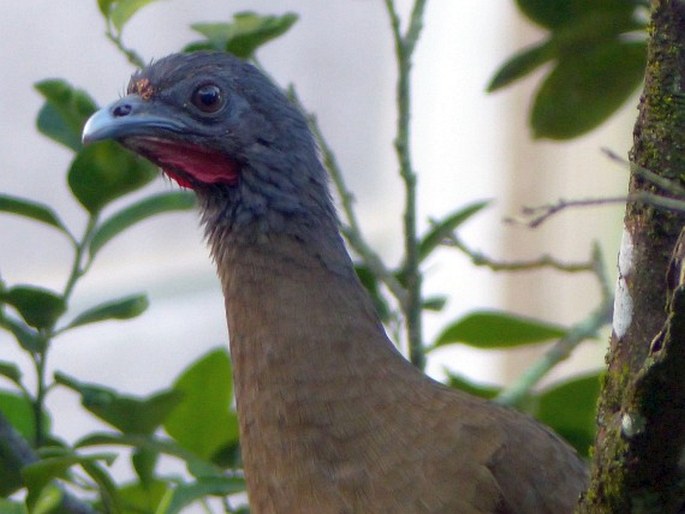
[299, 284]
[312, 365]
[296, 312]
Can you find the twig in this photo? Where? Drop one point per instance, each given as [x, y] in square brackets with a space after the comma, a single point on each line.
[375, 264]
[666, 184]
[352, 231]
[131, 55]
[542, 213]
[544, 261]
[606, 287]
[79, 267]
[560, 351]
[404, 49]
[585, 329]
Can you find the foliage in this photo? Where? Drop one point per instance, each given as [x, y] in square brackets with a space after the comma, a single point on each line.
[193, 420]
[597, 54]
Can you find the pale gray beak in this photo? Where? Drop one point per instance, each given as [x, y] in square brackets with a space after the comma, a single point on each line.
[129, 116]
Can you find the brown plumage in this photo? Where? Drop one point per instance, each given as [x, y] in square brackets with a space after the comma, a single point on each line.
[333, 420]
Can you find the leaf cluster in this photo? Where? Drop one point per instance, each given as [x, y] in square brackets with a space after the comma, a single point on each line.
[595, 52]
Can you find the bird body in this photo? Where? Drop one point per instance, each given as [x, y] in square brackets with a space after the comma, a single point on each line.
[333, 420]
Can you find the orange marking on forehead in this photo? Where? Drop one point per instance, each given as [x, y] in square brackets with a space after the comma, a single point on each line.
[144, 89]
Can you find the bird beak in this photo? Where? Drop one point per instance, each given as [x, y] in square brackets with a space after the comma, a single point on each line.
[130, 116]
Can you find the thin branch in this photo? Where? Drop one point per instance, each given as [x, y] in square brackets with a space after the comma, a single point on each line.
[585, 329]
[671, 186]
[394, 20]
[81, 263]
[544, 261]
[375, 264]
[78, 269]
[542, 213]
[606, 286]
[581, 331]
[404, 48]
[415, 26]
[352, 231]
[131, 55]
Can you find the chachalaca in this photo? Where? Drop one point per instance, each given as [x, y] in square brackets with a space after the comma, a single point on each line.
[333, 419]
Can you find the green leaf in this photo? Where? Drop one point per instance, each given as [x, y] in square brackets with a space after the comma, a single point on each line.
[12, 507]
[64, 113]
[10, 471]
[39, 474]
[109, 493]
[491, 329]
[521, 64]
[32, 210]
[444, 228]
[46, 500]
[585, 88]
[18, 410]
[244, 35]
[123, 308]
[226, 457]
[11, 371]
[462, 383]
[29, 339]
[197, 466]
[586, 33]
[105, 6]
[556, 13]
[121, 11]
[105, 171]
[139, 211]
[204, 423]
[185, 494]
[143, 497]
[144, 461]
[39, 307]
[434, 303]
[569, 408]
[131, 415]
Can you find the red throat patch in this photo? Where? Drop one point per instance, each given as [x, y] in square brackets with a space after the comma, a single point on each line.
[203, 165]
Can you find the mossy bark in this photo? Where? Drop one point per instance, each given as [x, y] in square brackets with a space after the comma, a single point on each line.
[641, 421]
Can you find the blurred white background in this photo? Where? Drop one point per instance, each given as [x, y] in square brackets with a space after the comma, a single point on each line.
[468, 146]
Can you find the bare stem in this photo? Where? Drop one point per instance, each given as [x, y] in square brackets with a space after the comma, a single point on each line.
[352, 230]
[404, 49]
[79, 267]
[544, 261]
[662, 182]
[585, 329]
[39, 362]
[535, 216]
[131, 55]
[581, 331]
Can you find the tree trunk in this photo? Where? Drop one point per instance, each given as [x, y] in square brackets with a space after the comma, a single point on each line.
[638, 455]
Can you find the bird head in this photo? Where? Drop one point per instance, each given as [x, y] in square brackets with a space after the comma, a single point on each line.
[218, 125]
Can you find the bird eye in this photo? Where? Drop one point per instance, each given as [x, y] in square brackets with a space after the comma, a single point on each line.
[208, 98]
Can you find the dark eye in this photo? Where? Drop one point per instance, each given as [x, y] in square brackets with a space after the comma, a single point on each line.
[208, 98]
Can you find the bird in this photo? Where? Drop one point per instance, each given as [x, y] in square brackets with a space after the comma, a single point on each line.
[332, 418]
